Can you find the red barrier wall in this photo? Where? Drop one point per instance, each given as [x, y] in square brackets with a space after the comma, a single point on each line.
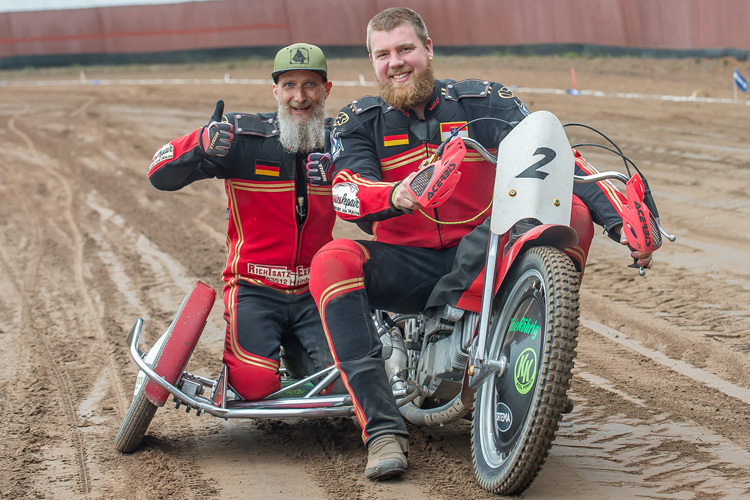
[655, 24]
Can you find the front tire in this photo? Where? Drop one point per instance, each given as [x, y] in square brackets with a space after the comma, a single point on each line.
[516, 415]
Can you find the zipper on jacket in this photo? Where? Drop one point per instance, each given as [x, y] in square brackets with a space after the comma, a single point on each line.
[301, 205]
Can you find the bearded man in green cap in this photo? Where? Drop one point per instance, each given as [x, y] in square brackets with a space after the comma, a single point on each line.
[277, 219]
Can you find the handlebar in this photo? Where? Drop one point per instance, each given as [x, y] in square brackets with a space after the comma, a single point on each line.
[578, 179]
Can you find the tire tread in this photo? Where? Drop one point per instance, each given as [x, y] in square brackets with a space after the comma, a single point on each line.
[554, 381]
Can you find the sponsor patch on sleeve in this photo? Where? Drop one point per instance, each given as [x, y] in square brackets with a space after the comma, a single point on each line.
[165, 153]
[345, 198]
[341, 118]
[336, 146]
[505, 93]
[523, 108]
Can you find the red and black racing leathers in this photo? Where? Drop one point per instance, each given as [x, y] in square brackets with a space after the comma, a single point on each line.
[374, 148]
[276, 223]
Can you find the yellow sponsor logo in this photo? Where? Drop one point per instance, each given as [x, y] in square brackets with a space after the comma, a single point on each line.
[505, 93]
[341, 118]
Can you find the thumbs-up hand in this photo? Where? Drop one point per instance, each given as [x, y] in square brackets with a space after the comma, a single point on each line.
[217, 136]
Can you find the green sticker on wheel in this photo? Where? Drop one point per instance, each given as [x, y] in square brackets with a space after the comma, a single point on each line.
[524, 373]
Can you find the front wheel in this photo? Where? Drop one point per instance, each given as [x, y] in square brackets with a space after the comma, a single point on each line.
[517, 413]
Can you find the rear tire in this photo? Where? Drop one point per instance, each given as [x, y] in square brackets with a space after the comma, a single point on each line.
[136, 422]
[517, 414]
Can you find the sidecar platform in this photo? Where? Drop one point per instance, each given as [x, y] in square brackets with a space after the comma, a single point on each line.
[189, 390]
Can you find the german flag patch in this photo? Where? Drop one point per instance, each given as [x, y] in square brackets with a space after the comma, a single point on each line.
[267, 168]
[396, 140]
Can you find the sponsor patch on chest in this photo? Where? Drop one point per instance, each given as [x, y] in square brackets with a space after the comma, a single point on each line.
[336, 146]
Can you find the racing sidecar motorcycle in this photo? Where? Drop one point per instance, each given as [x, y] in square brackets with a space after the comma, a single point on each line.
[509, 362]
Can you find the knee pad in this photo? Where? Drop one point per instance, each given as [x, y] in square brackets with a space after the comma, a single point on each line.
[249, 380]
[581, 222]
[337, 261]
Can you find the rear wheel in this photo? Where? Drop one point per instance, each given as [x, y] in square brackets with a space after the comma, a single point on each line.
[517, 413]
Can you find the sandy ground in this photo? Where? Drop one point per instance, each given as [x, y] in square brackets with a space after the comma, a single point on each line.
[662, 380]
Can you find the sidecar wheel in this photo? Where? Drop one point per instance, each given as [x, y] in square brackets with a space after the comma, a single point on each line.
[136, 422]
[168, 358]
[516, 414]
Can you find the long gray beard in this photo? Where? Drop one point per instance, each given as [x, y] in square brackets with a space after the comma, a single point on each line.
[302, 134]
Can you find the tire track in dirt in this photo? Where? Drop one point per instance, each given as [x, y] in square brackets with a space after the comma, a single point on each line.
[646, 450]
[77, 248]
[35, 264]
[82, 108]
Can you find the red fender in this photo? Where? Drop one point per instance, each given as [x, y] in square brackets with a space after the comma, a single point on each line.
[553, 235]
[547, 235]
[183, 335]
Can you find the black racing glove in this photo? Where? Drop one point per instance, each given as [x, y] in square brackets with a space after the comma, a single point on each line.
[320, 169]
[217, 136]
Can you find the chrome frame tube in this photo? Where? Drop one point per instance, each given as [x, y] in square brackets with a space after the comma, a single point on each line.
[334, 372]
[323, 406]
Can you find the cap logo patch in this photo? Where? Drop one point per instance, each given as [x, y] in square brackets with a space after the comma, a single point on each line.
[300, 56]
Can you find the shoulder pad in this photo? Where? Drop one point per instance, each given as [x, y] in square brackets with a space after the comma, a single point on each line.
[467, 88]
[359, 106]
[254, 124]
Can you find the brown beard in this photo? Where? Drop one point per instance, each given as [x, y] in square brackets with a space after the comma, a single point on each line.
[417, 91]
[302, 134]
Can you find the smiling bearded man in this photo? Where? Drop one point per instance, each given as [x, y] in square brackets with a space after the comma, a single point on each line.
[406, 96]
[302, 133]
[275, 221]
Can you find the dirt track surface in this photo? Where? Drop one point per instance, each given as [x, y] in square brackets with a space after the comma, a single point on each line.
[662, 378]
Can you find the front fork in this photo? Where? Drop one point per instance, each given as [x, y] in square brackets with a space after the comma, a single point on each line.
[479, 368]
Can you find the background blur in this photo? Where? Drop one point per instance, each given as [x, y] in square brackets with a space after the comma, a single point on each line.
[65, 32]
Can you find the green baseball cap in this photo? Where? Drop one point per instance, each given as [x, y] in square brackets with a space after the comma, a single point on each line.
[300, 56]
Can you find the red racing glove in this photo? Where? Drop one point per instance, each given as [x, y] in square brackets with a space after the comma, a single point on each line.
[320, 169]
[217, 136]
